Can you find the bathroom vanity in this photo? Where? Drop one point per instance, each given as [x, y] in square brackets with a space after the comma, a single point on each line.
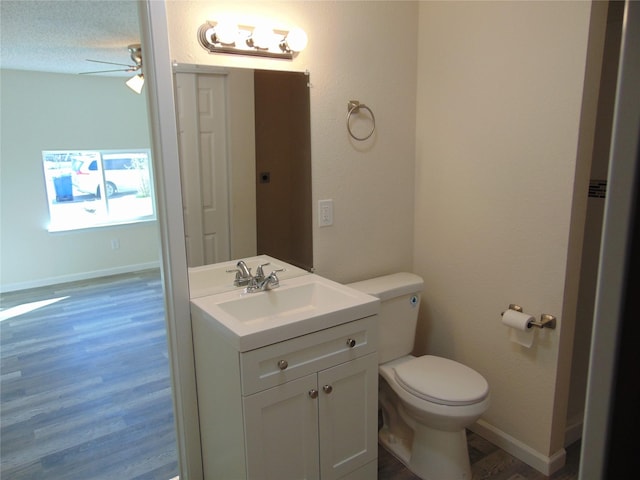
[287, 381]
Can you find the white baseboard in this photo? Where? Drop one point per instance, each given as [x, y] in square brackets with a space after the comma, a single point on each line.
[543, 463]
[74, 277]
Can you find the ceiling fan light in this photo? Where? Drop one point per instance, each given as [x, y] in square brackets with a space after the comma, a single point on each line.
[136, 83]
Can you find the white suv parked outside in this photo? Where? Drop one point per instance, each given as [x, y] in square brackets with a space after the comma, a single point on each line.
[122, 173]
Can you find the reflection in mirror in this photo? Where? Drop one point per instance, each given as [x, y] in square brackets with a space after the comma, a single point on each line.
[245, 161]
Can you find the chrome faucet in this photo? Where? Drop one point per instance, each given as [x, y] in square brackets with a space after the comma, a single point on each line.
[266, 283]
[260, 282]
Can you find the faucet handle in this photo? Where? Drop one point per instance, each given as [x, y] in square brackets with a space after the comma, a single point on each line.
[260, 271]
[238, 281]
[234, 270]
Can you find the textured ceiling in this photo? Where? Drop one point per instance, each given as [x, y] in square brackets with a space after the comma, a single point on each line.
[58, 36]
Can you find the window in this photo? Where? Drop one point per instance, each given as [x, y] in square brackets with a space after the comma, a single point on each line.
[76, 180]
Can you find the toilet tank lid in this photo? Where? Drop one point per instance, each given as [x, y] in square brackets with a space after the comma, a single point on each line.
[390, 286]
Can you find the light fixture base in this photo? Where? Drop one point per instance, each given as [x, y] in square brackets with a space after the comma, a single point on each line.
[243, 46]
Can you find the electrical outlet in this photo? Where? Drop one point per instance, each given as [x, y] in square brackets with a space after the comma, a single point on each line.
[115, 244]
[325, 213]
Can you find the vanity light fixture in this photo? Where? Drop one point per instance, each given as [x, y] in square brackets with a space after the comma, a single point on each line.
[260, 41]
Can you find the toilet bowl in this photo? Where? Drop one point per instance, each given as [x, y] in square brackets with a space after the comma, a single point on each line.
[428, 401]
[437, 446]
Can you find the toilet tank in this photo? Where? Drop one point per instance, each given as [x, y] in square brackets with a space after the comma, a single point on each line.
[399, 295]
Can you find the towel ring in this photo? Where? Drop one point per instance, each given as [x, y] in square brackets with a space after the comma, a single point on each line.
[354, 106]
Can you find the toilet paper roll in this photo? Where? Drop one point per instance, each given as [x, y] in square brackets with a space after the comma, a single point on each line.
[519, 330]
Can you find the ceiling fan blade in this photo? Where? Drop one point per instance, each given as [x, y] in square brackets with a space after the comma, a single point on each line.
[105, 71]
[111, 63]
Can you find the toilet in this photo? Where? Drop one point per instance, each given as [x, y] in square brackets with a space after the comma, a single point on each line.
[428, 401]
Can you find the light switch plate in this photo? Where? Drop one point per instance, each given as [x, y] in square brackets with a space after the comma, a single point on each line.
[325, 213]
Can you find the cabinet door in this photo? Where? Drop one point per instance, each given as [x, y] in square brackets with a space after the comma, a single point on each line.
[348, 410]
[281, 428]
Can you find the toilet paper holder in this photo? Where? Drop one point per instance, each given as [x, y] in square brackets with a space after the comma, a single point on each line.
[546, 320]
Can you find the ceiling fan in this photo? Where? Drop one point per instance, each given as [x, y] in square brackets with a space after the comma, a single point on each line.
[136, 56]
[136, 82]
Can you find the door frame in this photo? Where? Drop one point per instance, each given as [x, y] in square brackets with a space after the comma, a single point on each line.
[158, 73]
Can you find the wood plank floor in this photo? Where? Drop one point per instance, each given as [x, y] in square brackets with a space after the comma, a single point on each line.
[85, 390]
[84, 387]
[488, 462]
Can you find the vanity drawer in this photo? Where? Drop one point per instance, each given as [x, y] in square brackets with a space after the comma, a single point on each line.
[275, 364]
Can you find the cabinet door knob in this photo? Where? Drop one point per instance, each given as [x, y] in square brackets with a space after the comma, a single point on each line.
[351, 343]
[313, 393]
[283, 364]
[327, 389]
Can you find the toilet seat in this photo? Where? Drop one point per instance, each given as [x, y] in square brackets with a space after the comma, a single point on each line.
[440, 380]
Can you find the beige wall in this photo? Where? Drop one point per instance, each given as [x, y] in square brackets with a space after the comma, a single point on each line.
[503, 140]
[45, 111]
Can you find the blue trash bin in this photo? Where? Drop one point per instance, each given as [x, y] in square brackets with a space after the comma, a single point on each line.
[64, 188]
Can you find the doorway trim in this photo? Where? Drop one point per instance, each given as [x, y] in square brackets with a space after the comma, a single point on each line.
[162, 119]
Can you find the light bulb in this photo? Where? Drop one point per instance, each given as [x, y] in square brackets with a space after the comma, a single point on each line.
[296, 40]
[226, 32]
[261, 37]
[210, 35]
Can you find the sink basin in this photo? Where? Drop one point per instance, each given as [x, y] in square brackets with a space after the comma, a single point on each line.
[211, 279]
[303, 299]
[300, 305]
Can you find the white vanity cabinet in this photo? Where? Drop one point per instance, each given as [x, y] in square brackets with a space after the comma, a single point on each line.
[303, 408]
[317, 426]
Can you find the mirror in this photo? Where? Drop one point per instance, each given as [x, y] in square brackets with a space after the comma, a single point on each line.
[245, 161]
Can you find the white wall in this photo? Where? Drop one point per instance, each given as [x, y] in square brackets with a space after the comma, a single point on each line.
[371, 183]
[504, 138]
[42, 111]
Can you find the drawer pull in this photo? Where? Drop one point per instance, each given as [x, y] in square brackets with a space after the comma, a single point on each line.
[351, 343]
[327, 389]
[313, 393]
[283, 364]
